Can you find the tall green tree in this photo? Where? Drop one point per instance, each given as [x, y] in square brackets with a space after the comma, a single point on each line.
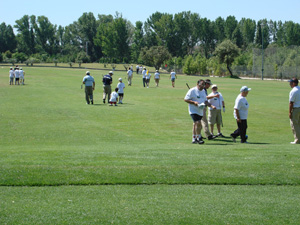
[226, 52]
[46, 36]
[155, 56]
[248, 28]
[262, 34]
[138, 41]
[26, 37]
[219, 29]
[230, 26]
[7, 38]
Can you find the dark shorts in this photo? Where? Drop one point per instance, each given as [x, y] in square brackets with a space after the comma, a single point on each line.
[173, 79]
[196, 117]
[121, 94]
[17, 78]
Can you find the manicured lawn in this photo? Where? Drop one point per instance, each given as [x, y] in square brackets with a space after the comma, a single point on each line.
[138, 156]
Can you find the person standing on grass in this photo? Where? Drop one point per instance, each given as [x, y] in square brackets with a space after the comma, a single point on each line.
[22, 74]
[17, 76]
[107, 81]
[173, 76]
[196, 98]
[215, 115]
[121, 87]
[240, 113]
[294, 109]
[144, 76]
[89, 83]
[11, 76]
[129, 76]
[204, 122]
[156, 78]
[137, 69]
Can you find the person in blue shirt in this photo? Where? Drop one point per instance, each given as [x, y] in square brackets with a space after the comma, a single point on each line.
[89, 83]
[107, 81]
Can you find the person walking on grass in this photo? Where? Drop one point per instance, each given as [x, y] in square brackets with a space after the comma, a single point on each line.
[156, 78]
[173, 76]
[89, 83]
[121, 87]
[114, 97]
[294, 109]
[107, 81]
[129, 76]
[148, 77]
[11, 76]
[240, 113]
[215, 115]
[196, 98]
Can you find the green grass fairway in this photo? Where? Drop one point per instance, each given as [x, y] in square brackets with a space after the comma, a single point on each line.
[65, 162]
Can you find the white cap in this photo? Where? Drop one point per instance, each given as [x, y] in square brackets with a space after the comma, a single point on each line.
[111, 72]
[214, 86]
[87, 72]
[245, 89]
[120, 79]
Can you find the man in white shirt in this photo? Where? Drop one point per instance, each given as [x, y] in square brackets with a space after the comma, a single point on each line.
[11, 76]
[173, 76]
[157, 78]
[121, 87]
[215, 115]
[144, 76]
[240, 113]
[22, 73]
[17, 76]
[130, 75]
[196, 98]
[294, 109]
[89, 83]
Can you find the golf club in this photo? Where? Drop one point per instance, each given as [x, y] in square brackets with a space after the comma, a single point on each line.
[187, 85]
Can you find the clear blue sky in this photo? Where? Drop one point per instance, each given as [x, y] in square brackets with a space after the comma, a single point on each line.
[65, 12]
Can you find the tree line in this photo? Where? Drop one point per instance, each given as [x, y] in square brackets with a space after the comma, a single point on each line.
[114, 39]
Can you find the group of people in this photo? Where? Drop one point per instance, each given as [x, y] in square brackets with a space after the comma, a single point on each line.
[146, 76]
[198, 101]
[112, 97]
[16, 76]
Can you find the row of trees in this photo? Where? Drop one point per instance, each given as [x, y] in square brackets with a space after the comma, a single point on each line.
[110, 38]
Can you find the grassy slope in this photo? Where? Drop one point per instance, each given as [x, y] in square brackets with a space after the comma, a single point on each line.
[49, 136]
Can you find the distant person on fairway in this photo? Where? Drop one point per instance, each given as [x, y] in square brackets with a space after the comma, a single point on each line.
[148, 78]
[17, 76]
[107, 81]
[11, 76]
[294, 109]
[114, 97]
[144, 76]
[22, 74]
[129, 76]
[89, 83]
[215, 115]
[240, 113]
[137, 69]
[121, 87]
[156, 78]
[196, 98]
[173, 76]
